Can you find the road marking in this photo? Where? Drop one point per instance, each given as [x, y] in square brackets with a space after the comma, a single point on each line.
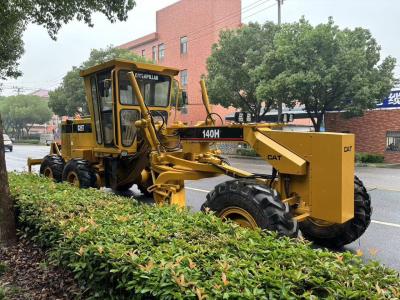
[373, 221]
[386, 223]
[373, 188]
[198, 190]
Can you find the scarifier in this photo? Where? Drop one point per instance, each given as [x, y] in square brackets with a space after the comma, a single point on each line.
[127, 140]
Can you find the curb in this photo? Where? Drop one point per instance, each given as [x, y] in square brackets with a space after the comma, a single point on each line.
[383, 166]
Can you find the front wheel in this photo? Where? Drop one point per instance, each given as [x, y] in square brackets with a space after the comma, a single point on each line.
[80, 173]
[52, 167]
[251, 205]
[337, 235]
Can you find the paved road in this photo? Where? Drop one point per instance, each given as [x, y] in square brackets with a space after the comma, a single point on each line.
[381, 241]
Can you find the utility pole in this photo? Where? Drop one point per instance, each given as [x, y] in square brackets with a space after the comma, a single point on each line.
[280, 2]
[18, 89]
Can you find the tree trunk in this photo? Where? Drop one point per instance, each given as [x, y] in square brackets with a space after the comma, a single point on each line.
[7, 217]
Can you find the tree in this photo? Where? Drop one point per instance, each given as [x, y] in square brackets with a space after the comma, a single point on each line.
[7, 219]
[70, 95]
[14, 16]
[23, 111]
[325, 68]
[230, 80]
[11, 44]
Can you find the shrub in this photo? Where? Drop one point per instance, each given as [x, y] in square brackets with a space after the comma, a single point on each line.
[369, 158]
[246, 152]
[120, 249]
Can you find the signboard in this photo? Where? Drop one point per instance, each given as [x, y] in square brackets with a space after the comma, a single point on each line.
[392, 101]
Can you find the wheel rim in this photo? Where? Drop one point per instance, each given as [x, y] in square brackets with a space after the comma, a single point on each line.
[239, 216]
[73, 179]
[48, 172]
[320, 223]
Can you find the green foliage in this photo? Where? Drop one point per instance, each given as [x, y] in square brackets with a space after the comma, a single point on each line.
[11, 44]
[369, 158]
[247, 152]
[65, 99]
[2, 293]
[22, 111]
[325, 68]
[123, 250]
[3, 268]
[15, 15]
[230, 81]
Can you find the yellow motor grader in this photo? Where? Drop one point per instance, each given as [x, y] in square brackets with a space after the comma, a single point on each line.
[127, 140]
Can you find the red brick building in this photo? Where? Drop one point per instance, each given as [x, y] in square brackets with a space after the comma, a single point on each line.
[185, 32]
[377, 131]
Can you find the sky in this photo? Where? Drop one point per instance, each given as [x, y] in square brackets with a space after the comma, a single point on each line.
[45, 61]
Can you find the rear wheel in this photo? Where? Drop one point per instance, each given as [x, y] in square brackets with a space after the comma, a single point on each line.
[52, 167]
[251, 205]
[80, 173]
[337, 235]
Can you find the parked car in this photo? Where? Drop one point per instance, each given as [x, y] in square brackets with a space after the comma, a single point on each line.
[7, 142]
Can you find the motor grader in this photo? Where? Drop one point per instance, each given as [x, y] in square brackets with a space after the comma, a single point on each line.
[129, 139]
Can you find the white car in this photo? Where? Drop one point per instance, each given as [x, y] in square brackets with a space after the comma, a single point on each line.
[7, 143]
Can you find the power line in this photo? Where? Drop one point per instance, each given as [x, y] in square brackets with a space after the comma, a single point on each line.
[197, 32]
[214, 31]
[227, 17]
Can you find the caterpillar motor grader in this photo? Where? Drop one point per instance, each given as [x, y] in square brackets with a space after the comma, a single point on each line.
[127, 140]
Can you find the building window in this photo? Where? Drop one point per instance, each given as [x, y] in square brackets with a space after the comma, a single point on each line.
[154, 54]
[184, 78]
[184, 45]
[143, 53]
[393, 141]
[161, 52]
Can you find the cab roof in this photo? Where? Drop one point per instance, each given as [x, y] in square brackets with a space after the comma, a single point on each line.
[123, 63]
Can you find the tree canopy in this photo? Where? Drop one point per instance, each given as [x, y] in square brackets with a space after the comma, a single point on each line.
[70, 95]
[325, 68]
[320, 67]
[16, 14]
[238, 53]
[21, 112]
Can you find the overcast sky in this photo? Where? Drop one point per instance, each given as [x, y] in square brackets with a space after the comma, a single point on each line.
[45, 61]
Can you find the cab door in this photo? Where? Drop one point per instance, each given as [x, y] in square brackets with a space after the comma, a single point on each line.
[127, 113]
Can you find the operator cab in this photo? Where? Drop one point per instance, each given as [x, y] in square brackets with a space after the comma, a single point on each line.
[113, 105]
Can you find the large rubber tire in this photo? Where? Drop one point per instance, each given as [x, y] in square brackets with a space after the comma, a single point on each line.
[52, 166]
[83, 172]
[262, 203]
[337, 235]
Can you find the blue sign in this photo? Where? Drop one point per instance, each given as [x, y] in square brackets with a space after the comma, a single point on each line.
[392, 101]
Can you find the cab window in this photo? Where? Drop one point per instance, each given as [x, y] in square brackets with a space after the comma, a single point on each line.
[104, 89]
[155, 88]
[128, 128]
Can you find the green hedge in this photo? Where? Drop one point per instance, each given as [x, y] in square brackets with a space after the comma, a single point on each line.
[120, 249]
[369, 158]
[246, 152]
